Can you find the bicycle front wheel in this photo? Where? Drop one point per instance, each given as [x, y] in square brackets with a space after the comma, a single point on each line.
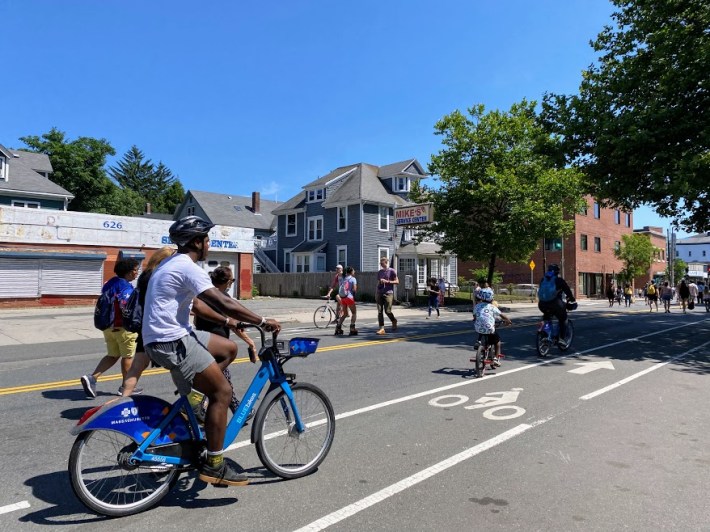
[281, 448]
[569, 334]
[107, 483]
[323, 316]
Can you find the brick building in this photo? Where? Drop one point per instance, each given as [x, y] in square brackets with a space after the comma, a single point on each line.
[586, 257]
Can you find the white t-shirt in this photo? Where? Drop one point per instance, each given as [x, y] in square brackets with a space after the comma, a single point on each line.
[486, 315]
[171, 289]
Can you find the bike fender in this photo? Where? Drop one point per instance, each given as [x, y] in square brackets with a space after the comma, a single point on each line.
[136, 417]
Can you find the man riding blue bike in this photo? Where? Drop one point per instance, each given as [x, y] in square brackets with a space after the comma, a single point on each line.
[550, 301]
[171, 341]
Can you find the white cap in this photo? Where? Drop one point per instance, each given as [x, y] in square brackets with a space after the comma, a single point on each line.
[339, 267]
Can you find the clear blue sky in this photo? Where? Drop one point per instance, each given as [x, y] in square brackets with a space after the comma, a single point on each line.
[238, 96]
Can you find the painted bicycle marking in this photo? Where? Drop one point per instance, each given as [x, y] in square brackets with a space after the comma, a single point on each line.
[495, 405]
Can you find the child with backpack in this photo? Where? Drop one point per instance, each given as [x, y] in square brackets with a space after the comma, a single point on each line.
[652, 296]
[346, 300]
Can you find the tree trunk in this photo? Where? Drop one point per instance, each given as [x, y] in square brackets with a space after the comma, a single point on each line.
[491, 269]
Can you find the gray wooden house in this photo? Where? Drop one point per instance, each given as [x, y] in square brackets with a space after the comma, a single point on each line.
[347, 217]
[24, 181]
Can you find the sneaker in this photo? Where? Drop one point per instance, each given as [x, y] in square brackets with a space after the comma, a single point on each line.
[136, 391]
[495, 363]
[381, 331]
[562, 343]
[89, 384]
[394, 325]
[223, 475]
[353, 332]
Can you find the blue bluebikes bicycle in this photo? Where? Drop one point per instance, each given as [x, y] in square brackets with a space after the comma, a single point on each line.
[128, 454]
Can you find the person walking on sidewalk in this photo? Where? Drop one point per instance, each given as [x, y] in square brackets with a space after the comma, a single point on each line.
[384, 296]
[119, 342]
[335, 285]
[346, 300]
[434, 291]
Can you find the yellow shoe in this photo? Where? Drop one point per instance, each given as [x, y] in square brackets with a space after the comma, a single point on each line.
[381, 331]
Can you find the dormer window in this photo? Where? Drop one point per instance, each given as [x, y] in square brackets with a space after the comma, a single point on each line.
[401, 184]
[316, 195]
[3, 168]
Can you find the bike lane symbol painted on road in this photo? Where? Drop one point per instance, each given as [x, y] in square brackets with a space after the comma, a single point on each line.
[494, 404]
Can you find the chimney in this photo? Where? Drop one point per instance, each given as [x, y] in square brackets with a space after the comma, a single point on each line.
[255, 202]
[148, 209]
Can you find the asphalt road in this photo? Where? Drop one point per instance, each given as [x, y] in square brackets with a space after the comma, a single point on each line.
[612, 435]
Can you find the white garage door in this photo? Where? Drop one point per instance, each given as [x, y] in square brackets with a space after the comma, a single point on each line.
[71, 277]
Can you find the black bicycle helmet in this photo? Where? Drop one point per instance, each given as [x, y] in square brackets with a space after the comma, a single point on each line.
[185, 229]
[554, 268]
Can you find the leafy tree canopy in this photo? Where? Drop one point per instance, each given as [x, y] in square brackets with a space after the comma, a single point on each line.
[156, 184]
[500, 192]
[640, 125]
[636, 252]
[78, 167]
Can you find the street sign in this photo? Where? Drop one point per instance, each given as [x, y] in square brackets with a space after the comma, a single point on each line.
[532, 264]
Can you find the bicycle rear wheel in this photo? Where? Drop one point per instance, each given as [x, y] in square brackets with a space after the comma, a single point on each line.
[480, 360]
[569, 334]
[323, 316]
[281, 448]
[542, 343]
[104, 480]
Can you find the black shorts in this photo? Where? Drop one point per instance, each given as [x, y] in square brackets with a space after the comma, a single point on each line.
[492, 338]
[652, 297]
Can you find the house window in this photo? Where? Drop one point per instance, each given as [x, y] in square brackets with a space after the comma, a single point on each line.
[583, 242]
[3, 168]
[384, 222]
[703, 253]
[320, 262]
[315, 228]
[617, 245]
[597, 244]
[597, 210]
[407, 265]
[303, 263]
[190, 211]
[677, 253]
[628, 219]
[316, 195]
[690, 253]
[341, 255]
[290, 225]
[26, 204]
[553, 244]
[584, 210]
[617, 217]
[342, 218]
[287, 260]
[401, 184]
[382, 252]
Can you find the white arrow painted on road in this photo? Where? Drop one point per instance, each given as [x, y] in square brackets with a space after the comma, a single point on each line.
[588, 367]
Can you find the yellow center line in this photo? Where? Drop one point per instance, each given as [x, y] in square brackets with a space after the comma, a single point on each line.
[159, 371]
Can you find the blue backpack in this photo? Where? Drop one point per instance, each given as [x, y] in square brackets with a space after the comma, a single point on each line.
[548, 288]
[103, 318]
[133, 313]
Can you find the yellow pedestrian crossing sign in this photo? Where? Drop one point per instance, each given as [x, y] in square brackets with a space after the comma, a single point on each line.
[532, 264]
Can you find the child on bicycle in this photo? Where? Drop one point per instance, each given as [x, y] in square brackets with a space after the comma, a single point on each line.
[485, 314]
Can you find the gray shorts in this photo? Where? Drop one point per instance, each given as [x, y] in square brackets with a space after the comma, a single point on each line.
[184, 358]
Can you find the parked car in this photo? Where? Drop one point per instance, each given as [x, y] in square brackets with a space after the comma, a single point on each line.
[520, 290]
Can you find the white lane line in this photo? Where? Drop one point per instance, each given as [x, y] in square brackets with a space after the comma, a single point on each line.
[592, 395]
[12, 507]
[377, 406]
[397, 487]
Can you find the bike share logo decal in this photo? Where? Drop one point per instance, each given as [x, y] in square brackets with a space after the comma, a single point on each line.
[129, 415]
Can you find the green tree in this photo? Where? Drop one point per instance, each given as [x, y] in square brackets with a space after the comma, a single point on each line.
[78, 167]
[500, 191]
[640, 125]
[155, 184]
[679, 266]
[636, 252]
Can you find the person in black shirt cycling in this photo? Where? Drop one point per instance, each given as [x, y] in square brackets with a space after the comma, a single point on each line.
[553, 304]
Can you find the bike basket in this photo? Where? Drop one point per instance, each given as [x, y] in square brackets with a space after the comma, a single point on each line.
[302, 346]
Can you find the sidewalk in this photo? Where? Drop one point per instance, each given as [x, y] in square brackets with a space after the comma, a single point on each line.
[62, 324]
